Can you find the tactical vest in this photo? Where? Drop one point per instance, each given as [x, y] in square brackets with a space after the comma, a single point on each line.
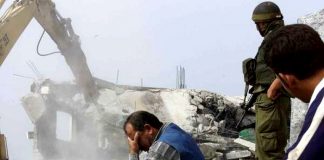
[263, 74]
[255, 70]
[182, 142]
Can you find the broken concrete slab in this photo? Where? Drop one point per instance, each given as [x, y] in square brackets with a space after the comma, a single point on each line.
[238, 154]
[246, 143]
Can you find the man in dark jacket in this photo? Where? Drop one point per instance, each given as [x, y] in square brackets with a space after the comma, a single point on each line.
[296, 53]
[162, 141]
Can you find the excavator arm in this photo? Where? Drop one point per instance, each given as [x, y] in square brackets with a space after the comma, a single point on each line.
[18, 16]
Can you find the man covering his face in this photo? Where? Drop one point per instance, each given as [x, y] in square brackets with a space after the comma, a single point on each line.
[165, 141]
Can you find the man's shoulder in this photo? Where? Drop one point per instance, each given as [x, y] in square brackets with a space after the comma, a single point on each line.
[173, 129]
[160, 146]
[161, 150]
[310, 143]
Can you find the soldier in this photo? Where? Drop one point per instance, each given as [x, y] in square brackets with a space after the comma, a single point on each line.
[272, 105]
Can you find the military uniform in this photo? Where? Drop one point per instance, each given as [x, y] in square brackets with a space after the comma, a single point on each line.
[272, 116]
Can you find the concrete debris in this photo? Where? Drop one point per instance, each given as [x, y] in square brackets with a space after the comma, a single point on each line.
[236, 154]
[246, 143]
[97, 128]
[34, 106]
[97, 132]
[298, 113]
[210, 151]
[315, 20]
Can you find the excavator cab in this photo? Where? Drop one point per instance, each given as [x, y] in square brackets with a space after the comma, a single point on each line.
[3, 148]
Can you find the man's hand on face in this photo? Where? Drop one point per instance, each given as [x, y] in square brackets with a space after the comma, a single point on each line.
[133, 144]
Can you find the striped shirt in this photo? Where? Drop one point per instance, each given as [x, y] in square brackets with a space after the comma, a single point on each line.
[310, 142]
[159, 150]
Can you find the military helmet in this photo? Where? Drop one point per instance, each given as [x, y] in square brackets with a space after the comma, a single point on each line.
[266, 11]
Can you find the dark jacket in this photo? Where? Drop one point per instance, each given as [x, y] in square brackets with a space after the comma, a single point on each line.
[182, 142]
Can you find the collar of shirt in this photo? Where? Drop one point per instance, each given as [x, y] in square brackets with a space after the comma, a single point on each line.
[319, 86]
[161, 130]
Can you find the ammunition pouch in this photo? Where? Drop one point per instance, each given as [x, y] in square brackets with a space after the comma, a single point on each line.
[249, 66]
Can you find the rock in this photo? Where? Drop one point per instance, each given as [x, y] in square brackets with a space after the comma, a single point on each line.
[193, 93]
[298, 112]
[198, 99]
[246, 143]
[204, 94]
[200, 128]
[315, 20]
[209, 150]
[106, 97]
[193, 102]
[201, 107]
[236, 154]
[219, 156]
[34, 105]
[209, 111]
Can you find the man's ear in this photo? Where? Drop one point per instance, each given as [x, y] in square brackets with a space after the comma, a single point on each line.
[148, 128]
[289, 80]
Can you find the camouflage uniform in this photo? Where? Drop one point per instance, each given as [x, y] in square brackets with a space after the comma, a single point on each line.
[272, 116]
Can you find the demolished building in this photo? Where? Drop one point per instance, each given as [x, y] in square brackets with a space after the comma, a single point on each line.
[95, 130]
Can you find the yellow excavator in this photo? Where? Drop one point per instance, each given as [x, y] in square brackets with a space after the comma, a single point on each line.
[16, 19]
[3, 148]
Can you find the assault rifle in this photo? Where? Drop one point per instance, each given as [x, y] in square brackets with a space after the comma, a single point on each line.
[246, 107]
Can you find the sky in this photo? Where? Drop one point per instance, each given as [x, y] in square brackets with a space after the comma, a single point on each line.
[143, 40]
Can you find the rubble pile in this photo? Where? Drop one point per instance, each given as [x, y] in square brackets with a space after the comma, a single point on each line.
[298, 112]
[315, 20]
[212, 119]
[97, 127]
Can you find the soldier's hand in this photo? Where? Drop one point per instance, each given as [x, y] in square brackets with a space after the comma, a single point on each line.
[133, 144]
[274, 89]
